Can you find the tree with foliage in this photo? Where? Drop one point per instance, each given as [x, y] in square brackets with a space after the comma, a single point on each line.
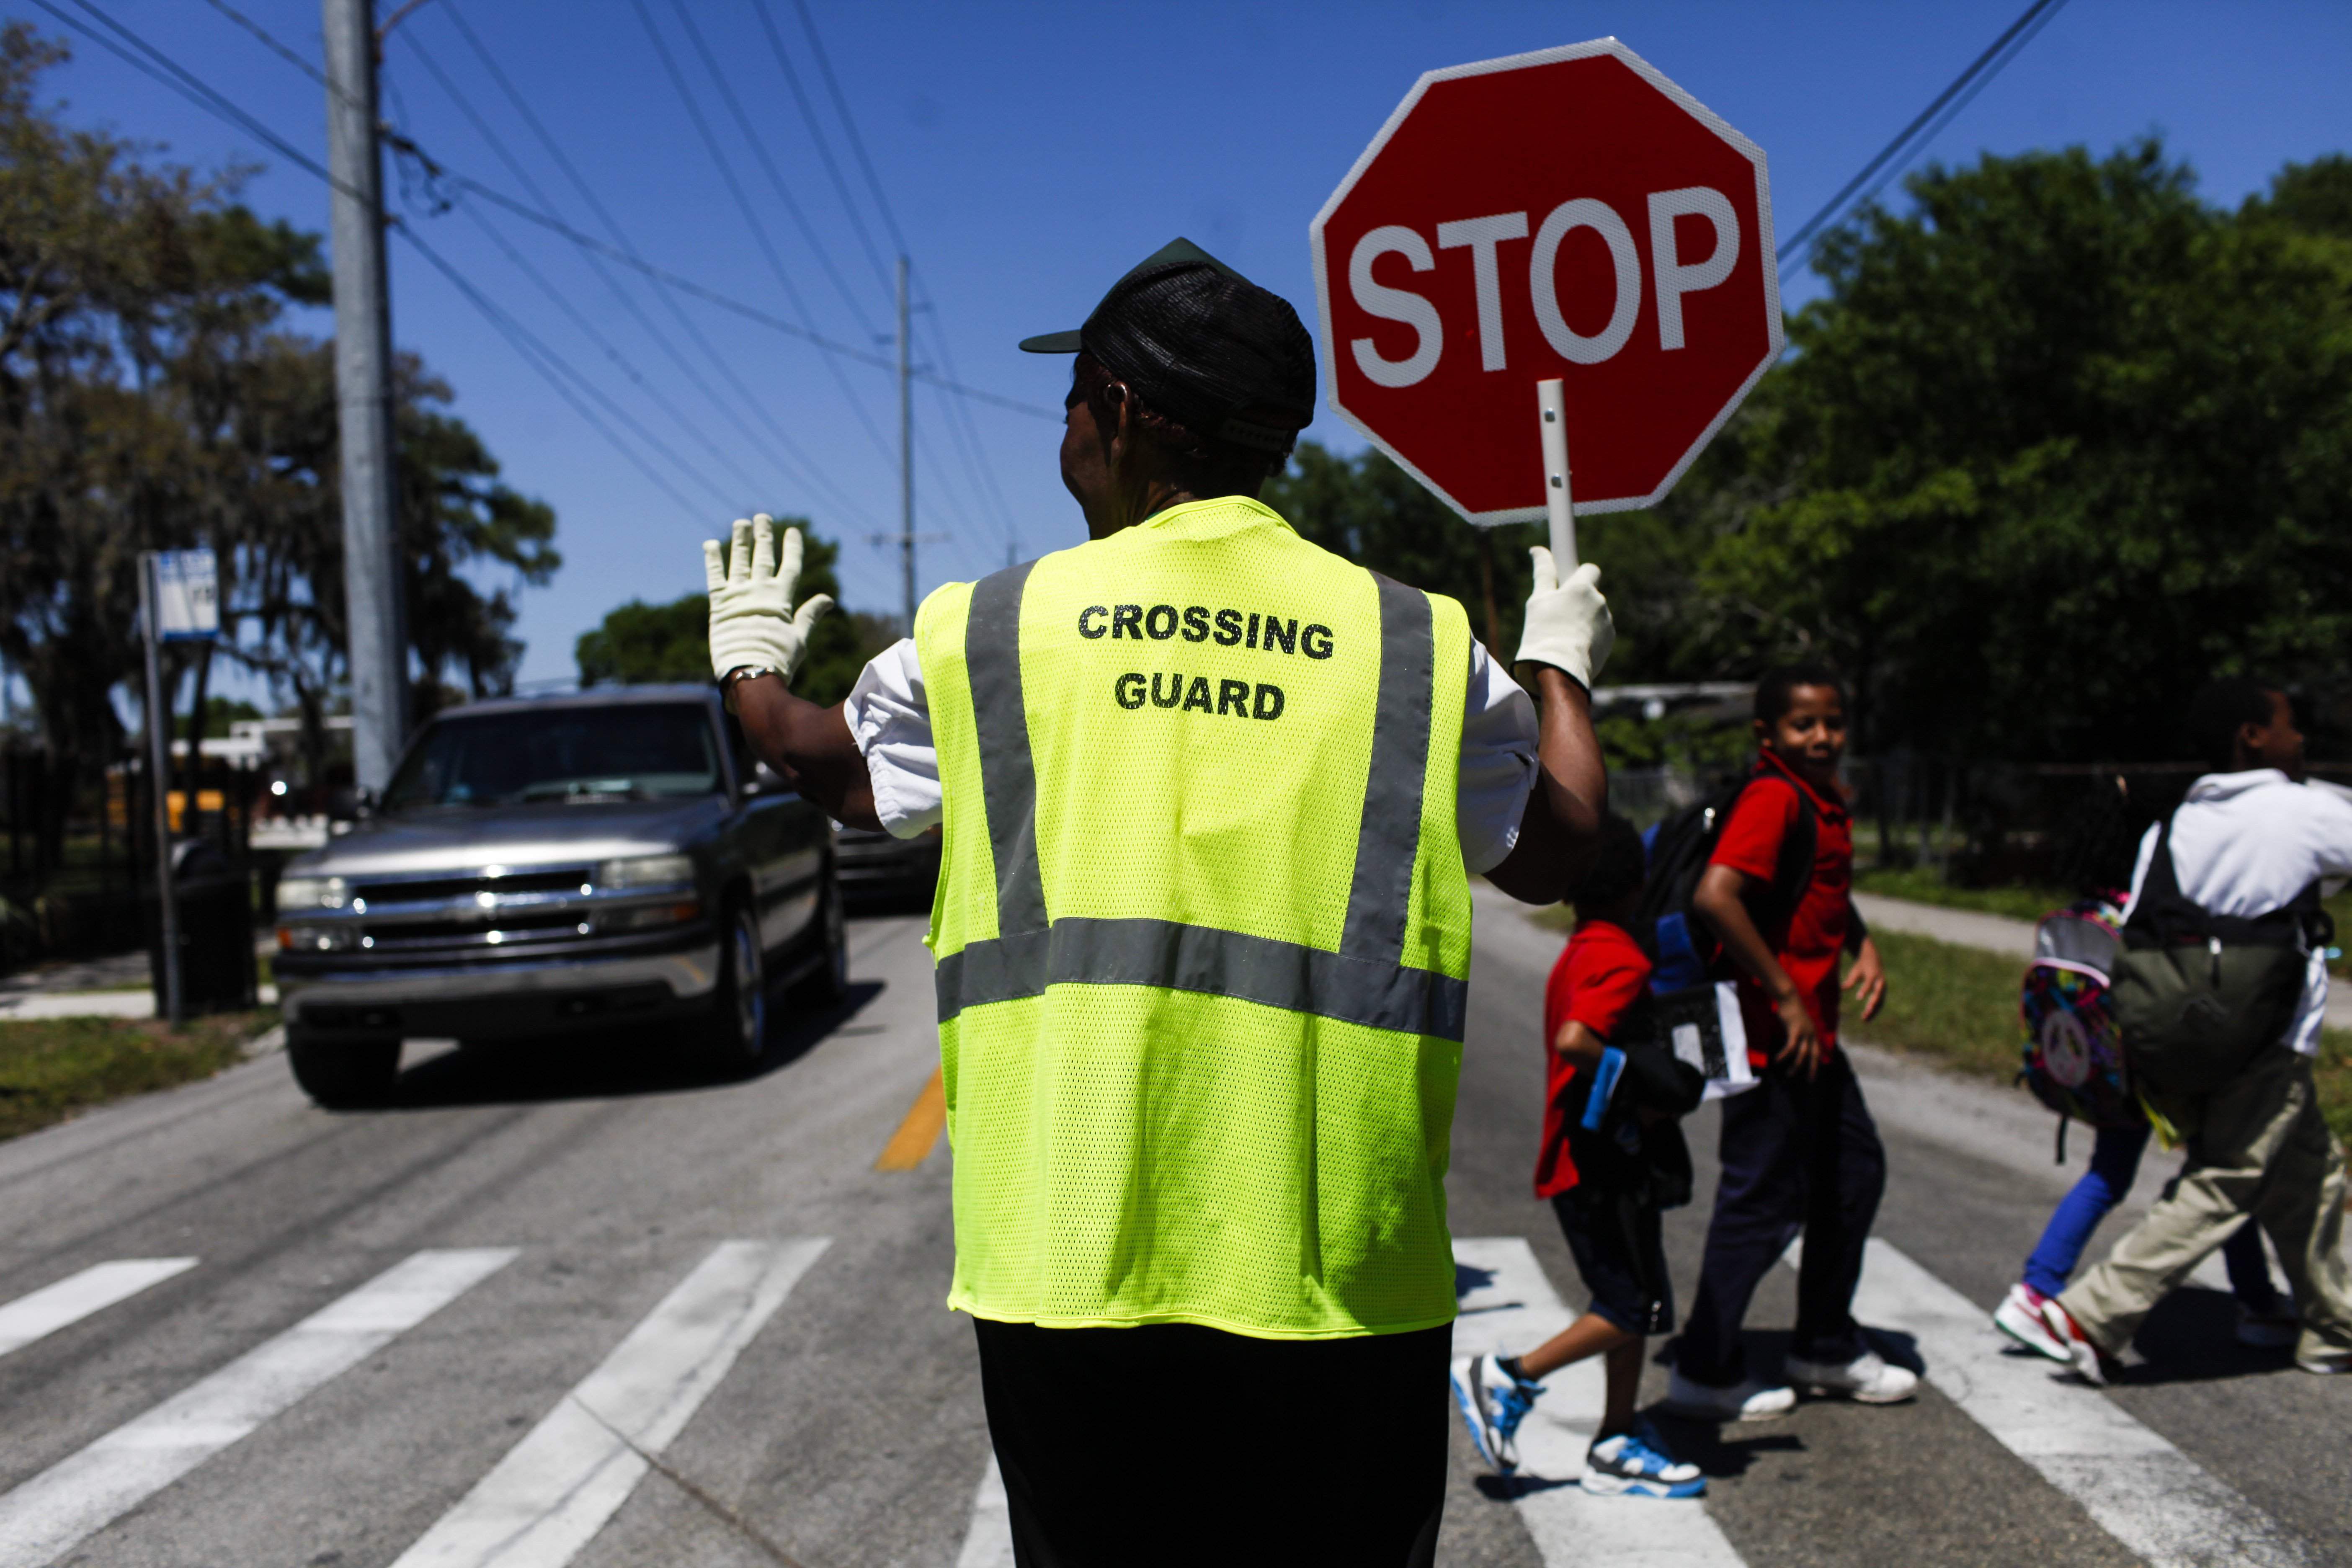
[640, 643]
[152, 398]
[1377, 515]
[2060, 443]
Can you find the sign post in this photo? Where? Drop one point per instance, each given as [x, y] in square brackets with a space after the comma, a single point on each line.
[1568, 218]
[179, 601]
[1559, 495]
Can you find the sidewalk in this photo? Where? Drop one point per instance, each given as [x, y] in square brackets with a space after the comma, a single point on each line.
[115, 986]
[1998, 933]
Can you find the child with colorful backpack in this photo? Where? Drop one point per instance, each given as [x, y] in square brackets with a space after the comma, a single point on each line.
[1613, 1158]
[2074, 1064]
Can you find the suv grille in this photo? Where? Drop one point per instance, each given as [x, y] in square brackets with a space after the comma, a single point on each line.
[564, 880]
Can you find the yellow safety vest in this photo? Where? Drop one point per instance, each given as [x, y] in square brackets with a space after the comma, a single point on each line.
[1202, 931]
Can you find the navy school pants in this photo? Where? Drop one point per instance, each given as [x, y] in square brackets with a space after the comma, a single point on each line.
[1798, 1154]
[1179, 1445]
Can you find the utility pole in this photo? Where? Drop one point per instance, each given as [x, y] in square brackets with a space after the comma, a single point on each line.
[906, 452]
[159, 780]
[372, 586]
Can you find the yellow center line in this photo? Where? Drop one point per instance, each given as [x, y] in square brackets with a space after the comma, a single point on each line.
[913, 1140]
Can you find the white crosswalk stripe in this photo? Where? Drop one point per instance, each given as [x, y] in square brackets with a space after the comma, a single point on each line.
[567, 1477]
[49, 1515]
[988, 1543]
[1509, 1305]
[76, 1296]
[2141, 1490]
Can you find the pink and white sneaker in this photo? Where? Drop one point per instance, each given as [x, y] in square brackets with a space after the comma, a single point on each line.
[2019, 1317]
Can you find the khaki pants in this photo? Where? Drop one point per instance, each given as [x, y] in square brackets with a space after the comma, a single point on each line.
[2261, 1149]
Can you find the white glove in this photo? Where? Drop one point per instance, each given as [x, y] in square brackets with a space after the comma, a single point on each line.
[1568, 624]
[753, 622]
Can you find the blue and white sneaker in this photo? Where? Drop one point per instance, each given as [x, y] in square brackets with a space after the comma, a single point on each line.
[1493, 1403]
[1630, 1465]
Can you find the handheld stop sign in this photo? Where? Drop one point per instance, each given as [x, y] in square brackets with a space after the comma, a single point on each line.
[1562, 245]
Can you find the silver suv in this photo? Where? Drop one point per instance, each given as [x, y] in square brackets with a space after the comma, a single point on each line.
[543, 864]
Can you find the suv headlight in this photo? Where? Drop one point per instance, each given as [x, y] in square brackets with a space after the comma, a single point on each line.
[296, 893]
[646, 871]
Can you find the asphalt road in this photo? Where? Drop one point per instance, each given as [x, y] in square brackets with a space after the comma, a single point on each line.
[581, 1305]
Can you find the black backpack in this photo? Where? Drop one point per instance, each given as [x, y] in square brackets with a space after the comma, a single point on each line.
[2197, 996]
[1683, 949]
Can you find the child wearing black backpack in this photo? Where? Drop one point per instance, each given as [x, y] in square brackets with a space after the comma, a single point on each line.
[1799, 1150]
[1613, 1157]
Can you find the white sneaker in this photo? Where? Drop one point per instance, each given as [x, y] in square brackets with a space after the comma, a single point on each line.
[1867, 1379]
[1748, 1401]
[2019, 1317]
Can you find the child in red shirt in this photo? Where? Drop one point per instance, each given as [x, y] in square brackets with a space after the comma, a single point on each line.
[1611, 1158]
[1800, 1150]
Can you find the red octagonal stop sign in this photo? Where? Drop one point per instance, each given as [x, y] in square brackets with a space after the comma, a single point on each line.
[1569, 213]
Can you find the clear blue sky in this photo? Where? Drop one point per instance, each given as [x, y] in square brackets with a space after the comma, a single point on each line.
[1030, 154]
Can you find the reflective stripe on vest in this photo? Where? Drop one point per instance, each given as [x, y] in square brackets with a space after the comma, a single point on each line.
[1365, 981]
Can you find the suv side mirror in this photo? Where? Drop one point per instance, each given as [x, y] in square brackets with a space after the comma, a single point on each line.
[350, 802]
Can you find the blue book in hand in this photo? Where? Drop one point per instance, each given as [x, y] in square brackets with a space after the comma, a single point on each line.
[1604, 1083]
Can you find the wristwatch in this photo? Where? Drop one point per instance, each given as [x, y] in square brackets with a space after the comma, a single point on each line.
[741, 672]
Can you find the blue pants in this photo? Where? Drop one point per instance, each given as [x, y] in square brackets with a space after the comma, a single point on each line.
[2115, 1160]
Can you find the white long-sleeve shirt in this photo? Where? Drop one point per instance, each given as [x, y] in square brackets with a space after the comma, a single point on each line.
[890, 719]
[2248, 843]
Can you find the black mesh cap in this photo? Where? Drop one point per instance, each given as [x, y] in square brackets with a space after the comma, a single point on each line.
[1203, 345]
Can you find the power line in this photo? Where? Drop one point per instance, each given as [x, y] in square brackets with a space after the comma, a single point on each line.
[519, 339]
[824, 145]
[725, 302]
[750, 219]
[857, 142]
[186, 83]
[759, 145]
[283, 52]
[1927, 139]
[498, 146]
[972, 451]
[1792, 253]
[960, 414]
[731, 410]
[522, 264]
[189, 86]
[171, 75]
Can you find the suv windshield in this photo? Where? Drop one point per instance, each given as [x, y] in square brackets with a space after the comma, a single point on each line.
[578, 755]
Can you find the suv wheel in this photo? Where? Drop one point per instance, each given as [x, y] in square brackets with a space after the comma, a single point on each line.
[828, 984]
[736, 1034]
[345, 1074]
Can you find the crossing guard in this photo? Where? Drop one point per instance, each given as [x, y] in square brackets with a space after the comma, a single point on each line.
[1202, 937]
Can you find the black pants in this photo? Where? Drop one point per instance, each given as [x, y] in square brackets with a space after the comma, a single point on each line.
[1796, 1154]
[1171, 1444]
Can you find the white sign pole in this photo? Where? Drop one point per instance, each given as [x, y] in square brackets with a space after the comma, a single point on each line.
[159, 780]
[1559, 494]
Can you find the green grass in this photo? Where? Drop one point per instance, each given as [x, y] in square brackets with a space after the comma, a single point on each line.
[1923, 886]
[1955, 1004]
[52, 1068]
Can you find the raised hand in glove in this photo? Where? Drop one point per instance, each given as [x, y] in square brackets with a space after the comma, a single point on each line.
[753, 622]
[1568, 624]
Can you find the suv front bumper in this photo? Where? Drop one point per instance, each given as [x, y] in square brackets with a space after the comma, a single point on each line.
[505, 999]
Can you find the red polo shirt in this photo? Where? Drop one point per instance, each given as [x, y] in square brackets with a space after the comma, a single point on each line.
[1599, 975]
[1808, 939]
